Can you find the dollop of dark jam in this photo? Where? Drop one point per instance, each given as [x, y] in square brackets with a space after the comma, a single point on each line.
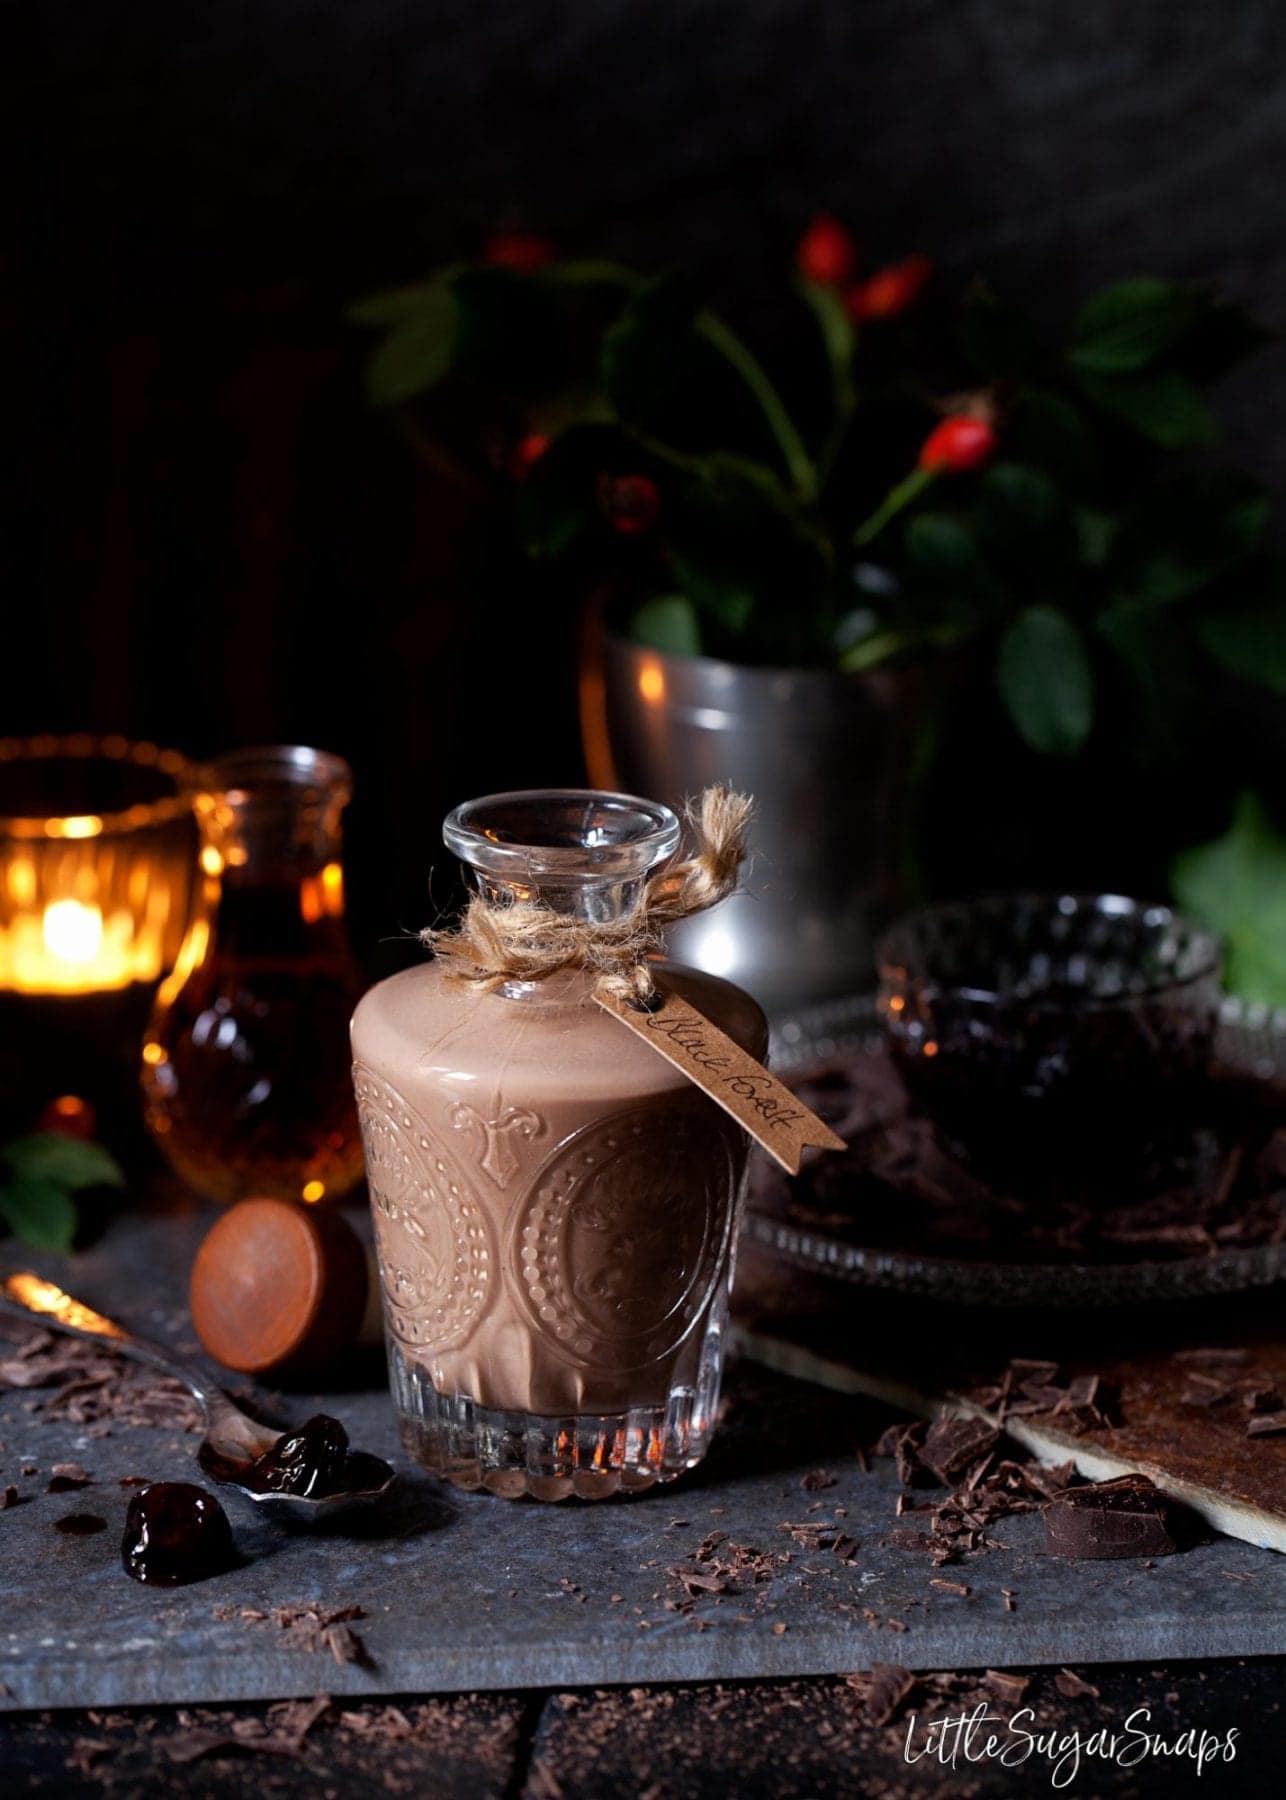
[175, 1533]
[310, 1462]
[80, 1524]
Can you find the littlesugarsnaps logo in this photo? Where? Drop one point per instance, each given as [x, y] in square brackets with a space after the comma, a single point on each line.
[957, 1740]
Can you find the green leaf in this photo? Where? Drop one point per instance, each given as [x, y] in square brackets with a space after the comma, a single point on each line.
[1152, 645]
[995, 338]
[944, 559]
[668, 622]
[1161, 405]
[1237, 886]
[1052, 432]
[1018, 500]
[939, 544]
[40, 1213]
[1046, 682]
[1095, 535]
[70, 1163]
[645, 352]
[393, 305]
[1186, 533]
[557, 502]
[1249, 639]
[748, 558]
[1024, 521]
[916, 640]
[511, 335]
[1131, 325]
[415, 355]
[588, 272]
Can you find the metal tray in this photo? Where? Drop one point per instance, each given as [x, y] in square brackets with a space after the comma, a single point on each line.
[1251, 1041]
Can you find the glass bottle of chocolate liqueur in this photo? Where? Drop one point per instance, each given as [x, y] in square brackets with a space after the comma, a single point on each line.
[555, 1204]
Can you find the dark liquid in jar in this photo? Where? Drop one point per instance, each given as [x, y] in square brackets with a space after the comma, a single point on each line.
[246, 1076]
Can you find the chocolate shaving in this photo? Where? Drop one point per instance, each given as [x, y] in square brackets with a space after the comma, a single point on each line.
[344, 1644]
[309, 1628]
[697, 1583]
[952, 1446]
[1072, 1687]
[1266, 1424]
[93, 1385]
[1007, 1685]
[65, 1478]
[281, 1734]
[883, 1691]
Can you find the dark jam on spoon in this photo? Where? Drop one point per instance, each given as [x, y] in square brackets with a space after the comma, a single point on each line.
[175, 1533]
[309, 1463]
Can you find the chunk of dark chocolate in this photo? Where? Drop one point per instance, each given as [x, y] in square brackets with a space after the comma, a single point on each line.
[954, 1445]
[1104, 1519]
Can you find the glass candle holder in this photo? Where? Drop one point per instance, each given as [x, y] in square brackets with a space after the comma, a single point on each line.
[555, 1204]
[96, 864]
[1050, 1032]
[97, 875]
[245, 1062]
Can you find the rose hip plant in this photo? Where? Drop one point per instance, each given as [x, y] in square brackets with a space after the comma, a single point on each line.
[938, 476]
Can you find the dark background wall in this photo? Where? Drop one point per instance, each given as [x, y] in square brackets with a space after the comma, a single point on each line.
[223, 546]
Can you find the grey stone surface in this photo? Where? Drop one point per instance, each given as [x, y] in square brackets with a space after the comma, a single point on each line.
[464, 1591]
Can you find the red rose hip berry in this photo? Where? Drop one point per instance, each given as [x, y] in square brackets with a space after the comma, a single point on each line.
[890, 291]
[631, 504]
[527, 453]
[520, 250]
[960, 443]
[826, 254]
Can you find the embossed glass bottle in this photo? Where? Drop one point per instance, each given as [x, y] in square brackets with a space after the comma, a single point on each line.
[555, 1204]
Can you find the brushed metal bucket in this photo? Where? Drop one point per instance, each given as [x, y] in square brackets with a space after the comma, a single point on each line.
[825, 756]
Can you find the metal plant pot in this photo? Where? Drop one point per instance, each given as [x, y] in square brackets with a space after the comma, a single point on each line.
[825, 756]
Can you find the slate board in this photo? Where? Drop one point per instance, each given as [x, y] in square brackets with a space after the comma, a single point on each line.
[465, 1591]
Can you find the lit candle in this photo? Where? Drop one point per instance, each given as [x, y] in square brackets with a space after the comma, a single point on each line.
[91, 902]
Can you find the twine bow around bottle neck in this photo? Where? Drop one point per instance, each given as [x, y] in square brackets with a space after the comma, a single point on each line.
[497, 942]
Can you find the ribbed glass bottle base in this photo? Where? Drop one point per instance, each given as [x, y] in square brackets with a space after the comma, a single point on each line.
[589, 1455]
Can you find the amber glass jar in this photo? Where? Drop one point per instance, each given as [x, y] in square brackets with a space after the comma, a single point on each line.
[245, 1062]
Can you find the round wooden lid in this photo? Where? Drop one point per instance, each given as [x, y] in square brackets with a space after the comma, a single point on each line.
[278, 1285]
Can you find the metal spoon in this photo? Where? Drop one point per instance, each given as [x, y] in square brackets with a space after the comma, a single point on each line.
[233, 1441]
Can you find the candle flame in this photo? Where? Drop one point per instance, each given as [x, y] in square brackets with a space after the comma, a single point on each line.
[73, 932]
